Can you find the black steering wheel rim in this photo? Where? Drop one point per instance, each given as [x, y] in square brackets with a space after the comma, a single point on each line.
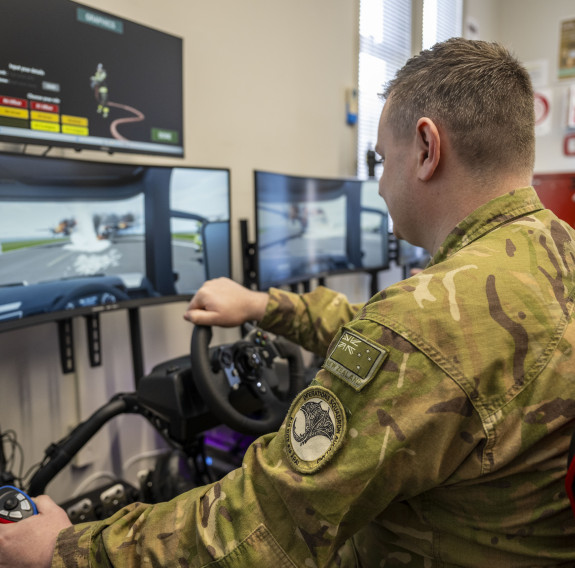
[214, 388]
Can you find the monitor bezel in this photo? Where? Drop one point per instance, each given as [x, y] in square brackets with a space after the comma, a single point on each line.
[61, 315]
[322, 275]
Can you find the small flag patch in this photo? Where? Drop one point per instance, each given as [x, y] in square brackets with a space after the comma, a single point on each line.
[355, 359]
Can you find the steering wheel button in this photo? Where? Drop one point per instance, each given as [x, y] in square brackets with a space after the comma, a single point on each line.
[16, 515]
[25, 506]
[3, 513]
[20, 497]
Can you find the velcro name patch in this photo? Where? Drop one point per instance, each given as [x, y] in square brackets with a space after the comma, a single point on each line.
[355, 359]
[315, 429]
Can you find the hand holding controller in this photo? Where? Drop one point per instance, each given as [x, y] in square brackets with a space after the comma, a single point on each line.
[15, 505]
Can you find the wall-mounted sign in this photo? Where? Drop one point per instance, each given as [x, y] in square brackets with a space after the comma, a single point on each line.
[542, 101]
[571, 107]
[569, 145]
[538, 71]
[567, 49]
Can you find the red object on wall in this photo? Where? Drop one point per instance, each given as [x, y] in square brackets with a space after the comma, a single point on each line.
[569, 145]
[557, 192]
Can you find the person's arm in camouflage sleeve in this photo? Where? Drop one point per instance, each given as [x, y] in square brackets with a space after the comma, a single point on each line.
[310, 320]
[399, 436]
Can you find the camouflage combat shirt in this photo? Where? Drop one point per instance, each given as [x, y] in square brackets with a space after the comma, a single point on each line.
[435, 435]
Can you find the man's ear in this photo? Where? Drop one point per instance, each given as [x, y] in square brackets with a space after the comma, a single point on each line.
[428, 148]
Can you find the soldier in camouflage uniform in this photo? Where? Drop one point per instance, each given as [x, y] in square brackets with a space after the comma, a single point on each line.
[436, 433]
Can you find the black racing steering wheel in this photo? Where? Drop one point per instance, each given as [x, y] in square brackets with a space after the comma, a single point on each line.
[247, 366]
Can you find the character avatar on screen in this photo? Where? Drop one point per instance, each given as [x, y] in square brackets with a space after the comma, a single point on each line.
[99, 85]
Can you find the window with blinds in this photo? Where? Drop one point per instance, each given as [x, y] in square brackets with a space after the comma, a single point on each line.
[442, 19]
[386, 43]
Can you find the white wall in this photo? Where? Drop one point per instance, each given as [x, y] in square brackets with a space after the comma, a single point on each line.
[481, 19]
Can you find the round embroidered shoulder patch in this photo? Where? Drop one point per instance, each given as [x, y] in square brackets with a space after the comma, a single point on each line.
[314, 429]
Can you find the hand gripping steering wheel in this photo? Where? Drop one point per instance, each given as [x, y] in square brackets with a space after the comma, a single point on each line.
[247, 365]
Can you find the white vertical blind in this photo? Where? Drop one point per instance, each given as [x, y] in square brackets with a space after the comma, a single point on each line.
[442, 19]
[385, 45]
[385, 28]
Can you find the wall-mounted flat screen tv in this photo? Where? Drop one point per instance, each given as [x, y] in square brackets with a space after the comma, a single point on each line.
[78, 237]
[74, 76]
[311, 227]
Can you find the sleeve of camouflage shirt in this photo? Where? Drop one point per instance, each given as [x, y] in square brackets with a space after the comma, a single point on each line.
[296, 502]
[310, 320]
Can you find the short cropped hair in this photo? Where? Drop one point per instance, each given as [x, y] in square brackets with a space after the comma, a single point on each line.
[479, 93]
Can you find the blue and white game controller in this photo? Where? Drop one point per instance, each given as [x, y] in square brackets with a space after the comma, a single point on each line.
[15, 505]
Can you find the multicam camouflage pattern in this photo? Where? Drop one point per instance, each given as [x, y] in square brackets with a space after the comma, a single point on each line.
[454, 454]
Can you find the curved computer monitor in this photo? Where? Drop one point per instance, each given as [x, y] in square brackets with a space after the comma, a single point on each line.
[79, 237]
[309, 227]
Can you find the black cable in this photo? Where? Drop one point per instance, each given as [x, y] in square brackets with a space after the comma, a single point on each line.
[32, 469]
[8, 464]
[3, 463]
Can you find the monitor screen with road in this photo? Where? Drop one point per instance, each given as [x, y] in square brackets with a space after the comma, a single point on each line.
[311, 227]
[78, 236]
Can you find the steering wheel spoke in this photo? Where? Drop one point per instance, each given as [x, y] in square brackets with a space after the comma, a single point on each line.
[250, 363]
[224, 361]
